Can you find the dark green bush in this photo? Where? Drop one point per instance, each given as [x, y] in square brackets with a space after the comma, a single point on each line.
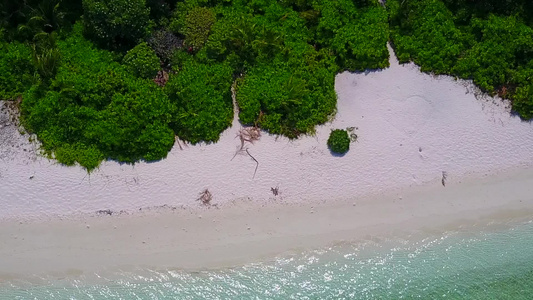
[202, 96]
[289, 98]
[16, 69]
[21, 20]
[357, 35]
[142, 61]
[339, 141]
[424, 32]
[160, 9]
[492, 62]
[115, 23]
[523, 100]
[197, 26]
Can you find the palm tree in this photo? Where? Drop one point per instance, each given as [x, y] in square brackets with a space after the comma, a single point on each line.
[46, 56]
[296, 89]
[268, 42]
[47, 16]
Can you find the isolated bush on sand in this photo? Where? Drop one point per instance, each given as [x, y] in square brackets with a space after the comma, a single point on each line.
[339, 141]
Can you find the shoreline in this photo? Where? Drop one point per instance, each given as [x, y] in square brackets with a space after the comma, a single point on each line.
[244, 233]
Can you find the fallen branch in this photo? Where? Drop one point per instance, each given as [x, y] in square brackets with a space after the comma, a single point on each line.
[250, 135]
[205, 197]
[257, 163]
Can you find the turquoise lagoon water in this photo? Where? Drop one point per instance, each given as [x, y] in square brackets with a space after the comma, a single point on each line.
[487, 264]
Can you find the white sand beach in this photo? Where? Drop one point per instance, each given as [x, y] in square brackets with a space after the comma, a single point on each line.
[246, 232]
[412, 128]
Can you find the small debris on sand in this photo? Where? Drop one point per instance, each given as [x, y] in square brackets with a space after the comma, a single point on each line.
[205, 197]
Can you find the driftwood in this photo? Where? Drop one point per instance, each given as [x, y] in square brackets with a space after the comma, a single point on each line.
[205, 197]
[257, 163]
[179, 143]
[250, 135]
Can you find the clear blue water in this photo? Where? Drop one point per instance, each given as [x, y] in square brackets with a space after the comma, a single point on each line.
[489, 264]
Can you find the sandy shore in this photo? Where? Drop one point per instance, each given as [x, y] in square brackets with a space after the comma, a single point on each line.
[196, 239]
[412, 129]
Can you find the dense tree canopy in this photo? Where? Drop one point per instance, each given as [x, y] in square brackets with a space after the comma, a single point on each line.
[115, 23]
[94, 109]
[202, 95]
[142, 61]
[16, 69]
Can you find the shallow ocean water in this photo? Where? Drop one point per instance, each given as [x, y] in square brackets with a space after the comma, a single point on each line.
[489, 263]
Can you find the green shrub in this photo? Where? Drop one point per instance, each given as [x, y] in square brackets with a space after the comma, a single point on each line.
[201, 94]
[115, 23]
[427, 35]
[289, 97]
[142, 61]
[492, 61]
[339, 141]
[197, 26]
[357, 35]
[16, 69]
[523, 101]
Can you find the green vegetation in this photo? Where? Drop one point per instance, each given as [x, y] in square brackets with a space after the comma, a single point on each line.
[288, 98]
[197, 26]
[94, 109]
[118, 79]
[202, 95]
[489, 41]
[142, 61]
[339, 141]
[115, 23]
[16, 69]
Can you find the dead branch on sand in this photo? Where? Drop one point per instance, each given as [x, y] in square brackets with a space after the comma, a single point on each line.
[177, 139]
[257, 163]
[205, 197]
[250, 135]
